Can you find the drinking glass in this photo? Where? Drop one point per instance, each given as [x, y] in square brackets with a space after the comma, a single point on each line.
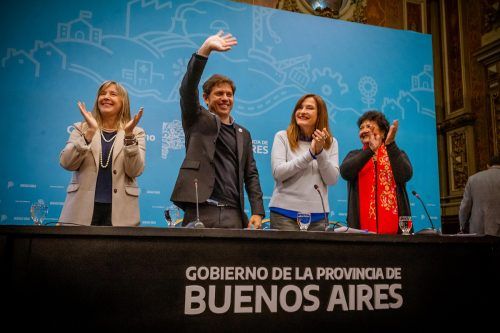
[266, 224]
[38, 212]
[405, 224]
[171, 214]
[304, 220]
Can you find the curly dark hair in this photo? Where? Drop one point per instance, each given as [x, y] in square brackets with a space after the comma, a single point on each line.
[377, 117]
[215, 80]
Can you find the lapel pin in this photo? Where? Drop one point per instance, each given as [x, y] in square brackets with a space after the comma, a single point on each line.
[240, 130]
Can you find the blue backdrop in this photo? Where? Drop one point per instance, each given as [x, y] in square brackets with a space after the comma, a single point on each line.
[54, 53]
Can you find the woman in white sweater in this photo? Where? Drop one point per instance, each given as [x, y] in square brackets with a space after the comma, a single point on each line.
[304, 155]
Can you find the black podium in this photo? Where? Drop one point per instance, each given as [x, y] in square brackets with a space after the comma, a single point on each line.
[133, 279]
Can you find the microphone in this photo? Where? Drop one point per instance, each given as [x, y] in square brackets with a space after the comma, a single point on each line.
[316, 187]
[197, 223]
[431, 230]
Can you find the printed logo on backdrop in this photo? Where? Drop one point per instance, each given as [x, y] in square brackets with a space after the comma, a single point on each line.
[260, 146]
[172, 137]
[220, 290]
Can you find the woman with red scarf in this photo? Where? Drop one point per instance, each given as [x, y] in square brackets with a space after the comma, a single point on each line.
[377, 176]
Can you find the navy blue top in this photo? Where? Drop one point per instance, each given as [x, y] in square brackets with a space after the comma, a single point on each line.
[226, 188]
[104, 185]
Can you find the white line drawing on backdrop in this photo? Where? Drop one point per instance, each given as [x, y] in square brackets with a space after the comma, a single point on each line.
[143, 4]
[329, 76]
[47, 52]
[86, 72]
[291, 76]
[21, 59]
[368, 88]
[407, 103]
[143, 73]
[423, 81]
[80, 30]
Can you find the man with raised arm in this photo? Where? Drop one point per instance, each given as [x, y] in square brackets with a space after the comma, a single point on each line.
[219, 160]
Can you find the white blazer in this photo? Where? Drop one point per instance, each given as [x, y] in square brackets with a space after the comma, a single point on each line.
[128, 163]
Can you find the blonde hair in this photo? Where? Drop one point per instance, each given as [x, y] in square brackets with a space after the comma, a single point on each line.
[124, 115]
[293, 131]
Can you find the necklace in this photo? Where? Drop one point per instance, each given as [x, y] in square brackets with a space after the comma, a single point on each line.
[110, 139]
[104, 166]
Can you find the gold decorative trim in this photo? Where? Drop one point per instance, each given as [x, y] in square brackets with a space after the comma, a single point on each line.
[461, 162]
[450, 111]
[489, 57]
[495, 117]
[350, 10]
[423, 14]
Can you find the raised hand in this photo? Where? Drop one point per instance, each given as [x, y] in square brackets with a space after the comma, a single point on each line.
[90, 120]
[318, 140]
[87, 115]
[129, 127]
[391, 136]
[375, 141]
[218, 42]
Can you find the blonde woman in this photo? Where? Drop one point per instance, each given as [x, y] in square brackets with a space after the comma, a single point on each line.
[304, 155]
[106, 153]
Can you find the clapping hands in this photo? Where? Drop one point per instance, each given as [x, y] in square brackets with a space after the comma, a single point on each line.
[377, 139]
[319, 138]
[129, 127]
[93, 126]
[90, 120]
[391, 136]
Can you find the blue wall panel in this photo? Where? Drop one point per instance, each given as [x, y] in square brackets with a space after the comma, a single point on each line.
[58, 52]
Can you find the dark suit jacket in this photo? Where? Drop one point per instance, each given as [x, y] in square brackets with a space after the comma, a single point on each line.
[201, 129]
[356, 160]
[480, 207]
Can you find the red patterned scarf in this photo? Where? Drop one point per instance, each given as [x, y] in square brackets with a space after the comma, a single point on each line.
[384, 188]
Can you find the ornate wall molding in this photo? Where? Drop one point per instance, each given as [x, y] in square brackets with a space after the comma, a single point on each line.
[495, 116]
[476, 85]
[488, 54]
[415, 15]
[454, 58]
[489, 57]
[348, 10]
[467, 119]
[491, 21]
[461, 163]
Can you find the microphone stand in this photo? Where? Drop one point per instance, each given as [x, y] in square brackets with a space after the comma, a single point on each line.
[316, 187]
[431, 230]
[197, 224]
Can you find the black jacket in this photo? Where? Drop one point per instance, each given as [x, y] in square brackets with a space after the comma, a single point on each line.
[356, 160]
[201, 129]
